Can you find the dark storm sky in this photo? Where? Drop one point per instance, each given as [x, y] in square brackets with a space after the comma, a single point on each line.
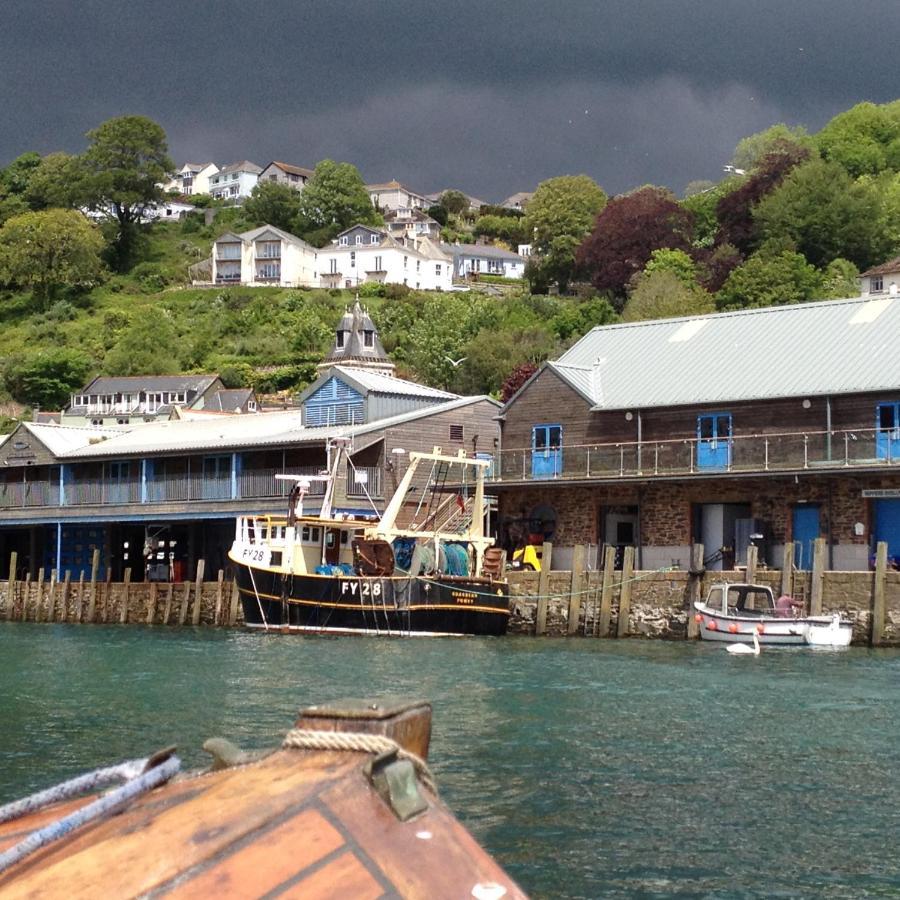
[491, 96]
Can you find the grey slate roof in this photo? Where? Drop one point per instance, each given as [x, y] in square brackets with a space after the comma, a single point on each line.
[354, 324]
[480, 251]
[229, 400]
[825, 348]
[243, 166]
[104, 384]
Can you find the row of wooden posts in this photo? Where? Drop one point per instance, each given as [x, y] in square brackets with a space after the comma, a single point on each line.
[92, 599]
[608, 583]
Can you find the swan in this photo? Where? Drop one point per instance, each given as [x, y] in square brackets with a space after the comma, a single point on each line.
[743, 648]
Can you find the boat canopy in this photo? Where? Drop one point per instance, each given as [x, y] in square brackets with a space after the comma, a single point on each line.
[741, 600]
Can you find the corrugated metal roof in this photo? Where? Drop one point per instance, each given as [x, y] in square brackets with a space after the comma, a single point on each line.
[61, 440]
[829, 347]
[371, 380]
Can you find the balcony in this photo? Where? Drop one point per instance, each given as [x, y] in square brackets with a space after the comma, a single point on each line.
[364, 481]
[758, 454]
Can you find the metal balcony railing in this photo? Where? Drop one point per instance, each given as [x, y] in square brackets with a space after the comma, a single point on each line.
[364, 480]
[745, 454]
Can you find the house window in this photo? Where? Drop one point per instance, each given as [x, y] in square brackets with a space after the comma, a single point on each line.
[378, 264]
[359, 239]
[373, 239]
[418, 265]
[352, 259]
[251, 406]
[876, 284]
[437, 269]
[368, 338]
[456, 432]
[333, 266]
[345, 241]
[270, 270]
[340, 340]
[270, 250]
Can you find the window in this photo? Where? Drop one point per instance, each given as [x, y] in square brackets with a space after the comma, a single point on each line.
[251, 406]
[352, 259]
[876, 284]
[270, 250]
[456, 432]
[405, 261]
[378, 264]
[358, 239]
[333, 266]
[269, 271]
[368, 338]
[437, 269]
[418, 265]
[373, 239]
[345, 241]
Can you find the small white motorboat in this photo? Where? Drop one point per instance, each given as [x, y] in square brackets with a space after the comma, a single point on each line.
[734, 613]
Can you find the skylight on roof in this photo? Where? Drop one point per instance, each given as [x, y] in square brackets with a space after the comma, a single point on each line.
[686, 331]
[870, 311]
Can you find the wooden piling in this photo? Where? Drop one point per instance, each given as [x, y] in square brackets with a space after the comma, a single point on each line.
[695, 590]
[235, 604]
[92, 595]
[198, 592]
[39, 596]
[217, 617]
[185, 602]
[11, 585]
[67, 583]
[151, 602]
[578, 556]
[622, 626]
[79, 608]
[106, 597]
[878, 594]
[168, 609]
[818, 577]
[126, 597]
[26, 597]
[787, 569]
[752, 558]
[51, 597]
[606, 592]
[540, 618]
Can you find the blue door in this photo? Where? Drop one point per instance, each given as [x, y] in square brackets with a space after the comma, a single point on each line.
[887, 431]
[887, 526]
[118, 481]
[806, 528]
[714, 441]
[546, 451]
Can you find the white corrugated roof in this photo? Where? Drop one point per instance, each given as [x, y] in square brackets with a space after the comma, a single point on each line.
[62, 440]
[829, 347]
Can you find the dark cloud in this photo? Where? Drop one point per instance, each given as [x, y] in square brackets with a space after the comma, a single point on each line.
[490, 97]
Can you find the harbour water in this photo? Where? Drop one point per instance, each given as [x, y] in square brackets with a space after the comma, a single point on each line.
[588, 768]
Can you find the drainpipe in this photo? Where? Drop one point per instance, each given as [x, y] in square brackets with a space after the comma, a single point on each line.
[58, 550]
[828, 428]
[640, 537]
[639, 446]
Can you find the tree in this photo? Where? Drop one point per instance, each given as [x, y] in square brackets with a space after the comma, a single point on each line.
[751, 150]
[663, 294]
[559, 216]
[123, 168]
[827, 215]
[516, 379]
[144, 348]
[49, 250]
[859, 138]
[46, 378]
[840, 280]
[58, 181]
[677, 262]
[490, 356]
[734, 211]
[715, 265]
[628, 230]
[334, 199]
[15, 177]
[455, 202]
[702, 205]
[770, 279]
[275, 204]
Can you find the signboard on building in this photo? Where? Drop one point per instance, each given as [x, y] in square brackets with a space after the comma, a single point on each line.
[882, 493]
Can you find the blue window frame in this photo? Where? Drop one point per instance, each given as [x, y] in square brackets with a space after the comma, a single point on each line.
[714, 441]
[546, 451]
[887, 430]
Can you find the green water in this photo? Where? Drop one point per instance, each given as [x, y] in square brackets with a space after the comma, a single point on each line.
[588, 768]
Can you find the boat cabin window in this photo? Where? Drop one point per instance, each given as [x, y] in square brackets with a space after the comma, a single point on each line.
[714, 598]
[310, 533]
[745, 600]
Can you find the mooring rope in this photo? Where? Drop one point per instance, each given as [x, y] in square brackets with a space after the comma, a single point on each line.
[302, 739]
[139, 780]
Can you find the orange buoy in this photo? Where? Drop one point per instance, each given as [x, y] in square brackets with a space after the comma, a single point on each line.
[761, 628]
[711, 625]
[698, 618]
[733, 628]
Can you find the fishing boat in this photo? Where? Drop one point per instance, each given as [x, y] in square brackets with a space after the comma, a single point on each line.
[425, 567]
[345, 807]
[733, 613]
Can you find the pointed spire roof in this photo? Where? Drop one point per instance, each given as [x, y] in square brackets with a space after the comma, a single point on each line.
[356, 343]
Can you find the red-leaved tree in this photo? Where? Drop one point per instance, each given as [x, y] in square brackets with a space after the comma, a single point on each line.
[517, 378]
[627, 231]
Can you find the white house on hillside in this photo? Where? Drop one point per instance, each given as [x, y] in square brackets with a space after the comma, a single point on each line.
[234, 182]
[883, 279]
[264, 256]
[192, 178]
[473, 259]
[282, 173]
[362, 254]
[393, 195]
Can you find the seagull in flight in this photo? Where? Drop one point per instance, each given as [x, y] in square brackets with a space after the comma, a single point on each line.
[456, 363]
